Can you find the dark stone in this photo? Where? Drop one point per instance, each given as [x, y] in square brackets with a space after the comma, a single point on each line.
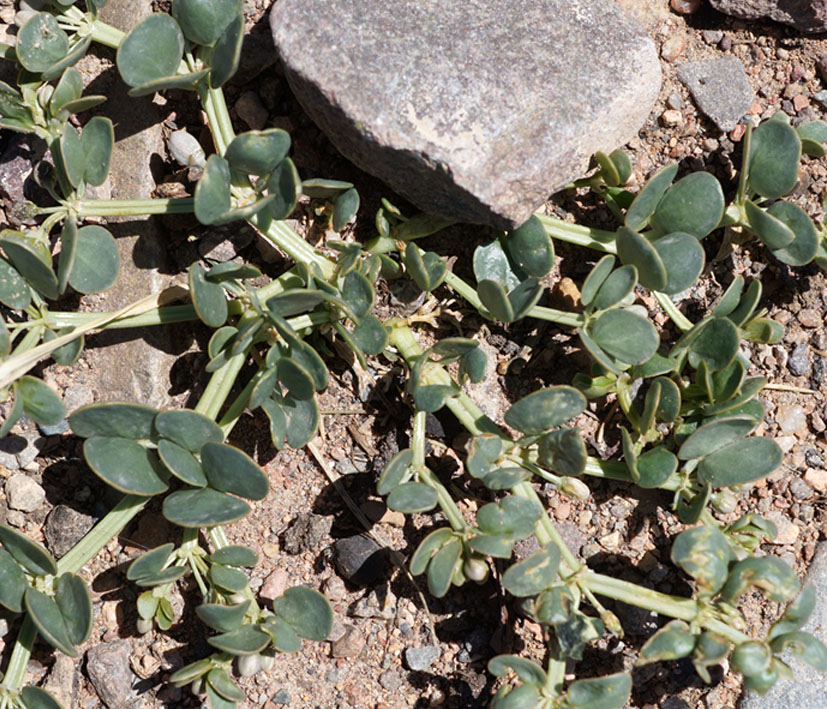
[307, 532]
[281, 697]
[804, 15]
[108, 668]
[472, 111]
[64, 528]
[813, 458]
[799, 360]
[720, 88]
[359, 560]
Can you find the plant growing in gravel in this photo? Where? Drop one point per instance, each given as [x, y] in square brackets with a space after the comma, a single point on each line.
[690, 407]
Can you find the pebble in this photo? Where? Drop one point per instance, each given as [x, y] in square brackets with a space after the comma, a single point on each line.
[64, 528]
[350, 644]
[57, 430]
[821, 97]
[334, 589]
[28, 454]
[810, 318]
[610, 541]
[359, 560]
[108, 668]
[791, 419]
[23, 493]
[251, 110]
[390, 680]
[787, 531]
[813, 458]
[16, 519]
[799, 361]
[673, 47]
[720, 88]
[675, 101]
[800, 102]
[685, 7]
[419, 659]
[8, 457]
[782, 53]
[816, 478]
[800, 489]
[306, 533]
[671, 117]
[712, 36]
[274, 585]
[281, 697]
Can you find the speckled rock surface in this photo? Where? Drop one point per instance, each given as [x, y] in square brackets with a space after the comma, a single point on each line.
[720, 88]
[804, 15]
[472, 110]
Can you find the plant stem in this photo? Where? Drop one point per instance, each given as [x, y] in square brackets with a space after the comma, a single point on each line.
[106, 34]
[418, 439]
[581, 235]
[683, 323]
[134, 207]
[293, 245]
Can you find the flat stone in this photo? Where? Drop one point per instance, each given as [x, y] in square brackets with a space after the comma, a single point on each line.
[23, 493]
[64, 528]
[306, 533]
[470, 112]
[274, 585]
[720, 89]
[359, 560]
[804, 15]
[806, 689]
[108, 668]
[799, 361]
[791, 419]
[419, 659]
[350, 644]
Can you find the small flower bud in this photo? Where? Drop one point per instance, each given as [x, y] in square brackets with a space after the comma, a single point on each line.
[248, 665]
[475, 569]
[185, 149]
[266, 662]
[143, 625]
[724, 501]
[574, 488]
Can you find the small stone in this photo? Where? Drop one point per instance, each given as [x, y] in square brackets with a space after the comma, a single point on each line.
[350, 644]
[786, 443]
[346, 467]
[610, 541]
[359, 560]
[63, 680]
[712, 36]
[816, 478]
[800, 489]
[57, 430]
[16, 519]
[799, 361]
[334, 589]
[108, 668]
[274, 585]
[804, 15]
[64, 528]
[810, 318]
[671, 117]
[281, 697]
[800, 102]
[251, 110]
[813, 458]
[23, 493]
[306, 533]
[420, 659]
[28, 454]
[821, 97]
[782, 53]
[673, 47]
[379, 603]
[787, 531]
[675, 101]
[685, 7]
[390, 680]
[791, 419]
[8, 453]
[720, 89]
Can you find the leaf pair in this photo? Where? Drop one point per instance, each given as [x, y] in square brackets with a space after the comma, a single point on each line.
[44, 48]
[37, 400]
[670, 263]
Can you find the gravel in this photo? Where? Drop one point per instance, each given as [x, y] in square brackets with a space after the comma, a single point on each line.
[420, 659]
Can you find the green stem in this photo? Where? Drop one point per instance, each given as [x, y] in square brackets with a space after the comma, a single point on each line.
[581, 235]
[418, 439]
[292, 244]
[134, 207]
[106, 34]
[683, 323]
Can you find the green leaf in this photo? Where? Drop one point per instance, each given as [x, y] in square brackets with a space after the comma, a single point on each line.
[69, 88]
[746, 304]
[258, 152]
[483, 451]
[703, 552]
[285, 184]
[97, 141]
[769, 575]
[212, 193]
[730, 299]
[490, 545]
[40, 402]
[41, 43]
[345, 207]
[307, 611]
[295, 378]
[492, 264]
[494, 298]
[533, 574]
[37, 698]
[232, 270]
[226, 54]
[813, 135]
[804, 646]
[714, 435]
[208, 298]
[48, 619]
[432, 397]
[188, 429]
[711, 649]
[68, 251]
[751, 658]
[294, 301]
[426, 269]
[616, 287]
[797, 613]
[191, 672]
[221, 682]
[530, 247]
[609, 692]
[370, 335]
[775, 151]
[125, 465]
[563, 452]
[625, 335]
[230, 470]
[648, 198]
[442, 566]
[635, 250]
[181, 463]
[234, 555]
[246, 640]
[71, 155]
[716, 344]
[412, 497]
[545, 409]
[76, 52]
[512, 518]
[358, 293]
[204, 21]
[203, 508]
[184, 82]
[425, 551]
[395, 472]
[528, 672]
[30, 262]
[13, 583]
[684, 259]
[655, 467]
[150, 563]
[14, 292]
[113, 419]
[227, 578]
[505, 478]
[75, 604]
[805, 246]
[595, 279]
[152, 50]
[283, 636]
[300, 421]
[15, 413]
[672, 642]
[29, 554]
[740, 462]
[96, 262]
[694, 204]
[774, 233]
[162, 578]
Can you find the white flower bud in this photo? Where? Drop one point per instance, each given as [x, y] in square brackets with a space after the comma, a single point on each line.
[248, 665]
[574, 488]
[185, 149]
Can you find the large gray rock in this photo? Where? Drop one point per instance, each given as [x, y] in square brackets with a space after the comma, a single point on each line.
[475, 110]
[806, 689]
[804, 15]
